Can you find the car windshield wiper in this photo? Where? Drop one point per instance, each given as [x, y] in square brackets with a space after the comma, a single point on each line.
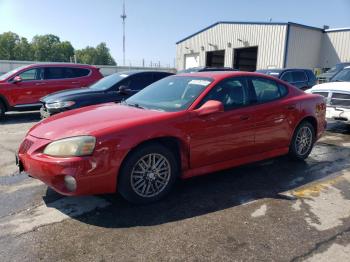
[133, 105]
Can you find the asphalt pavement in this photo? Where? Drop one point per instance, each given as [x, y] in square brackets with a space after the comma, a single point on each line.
[276, 210]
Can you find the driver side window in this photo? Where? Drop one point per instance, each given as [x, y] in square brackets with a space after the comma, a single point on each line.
[30, 75]
[232, 93]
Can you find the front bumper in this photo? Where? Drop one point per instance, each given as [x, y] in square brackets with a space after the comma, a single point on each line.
[45, 112]
[91, 173]
[338, 114]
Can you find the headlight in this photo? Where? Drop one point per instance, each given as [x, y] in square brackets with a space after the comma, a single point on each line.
[57, 105]
[73, 146]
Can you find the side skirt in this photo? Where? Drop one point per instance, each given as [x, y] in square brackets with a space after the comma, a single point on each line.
[234, 163]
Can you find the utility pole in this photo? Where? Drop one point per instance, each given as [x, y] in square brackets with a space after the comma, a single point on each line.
[123, 16]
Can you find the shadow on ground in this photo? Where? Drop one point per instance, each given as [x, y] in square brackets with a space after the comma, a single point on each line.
[222, 190]
[20, 117]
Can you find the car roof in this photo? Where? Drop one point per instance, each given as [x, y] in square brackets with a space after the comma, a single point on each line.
[135, 72]
[218, 75]
[59, 65]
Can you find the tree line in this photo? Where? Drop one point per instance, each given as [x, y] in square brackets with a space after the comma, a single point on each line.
[49, 48]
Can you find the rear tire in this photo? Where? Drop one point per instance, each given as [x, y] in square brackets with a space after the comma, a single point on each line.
[302, 141]
[2, 110]
[147, 174]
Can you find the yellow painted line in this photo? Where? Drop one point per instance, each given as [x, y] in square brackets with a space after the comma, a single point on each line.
[315, 189]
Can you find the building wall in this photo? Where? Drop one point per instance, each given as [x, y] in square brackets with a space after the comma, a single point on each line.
[270, 40]
[304, 47]
[335, 47]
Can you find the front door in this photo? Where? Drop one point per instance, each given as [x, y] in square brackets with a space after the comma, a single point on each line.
[226, 135]
[28, 90]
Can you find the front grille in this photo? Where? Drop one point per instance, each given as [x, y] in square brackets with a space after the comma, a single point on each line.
[339, 99]
[325, 94]
[24, 147]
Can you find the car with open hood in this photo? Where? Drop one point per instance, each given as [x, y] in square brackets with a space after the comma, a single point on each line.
[178, 127]
[337, 96]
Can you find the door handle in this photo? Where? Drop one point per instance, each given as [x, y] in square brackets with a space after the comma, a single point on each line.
[75, 83]
[290, 107]
[244, 117]
[39, 84]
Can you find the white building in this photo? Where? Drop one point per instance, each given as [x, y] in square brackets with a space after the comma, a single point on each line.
[255, 45]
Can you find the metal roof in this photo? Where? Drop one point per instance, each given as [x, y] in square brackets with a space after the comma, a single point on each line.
[251, 23]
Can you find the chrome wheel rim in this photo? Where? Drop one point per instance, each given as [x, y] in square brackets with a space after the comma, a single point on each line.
[303, 140]
[150, 175]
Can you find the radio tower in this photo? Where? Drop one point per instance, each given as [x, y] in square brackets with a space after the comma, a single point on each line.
[123, 16]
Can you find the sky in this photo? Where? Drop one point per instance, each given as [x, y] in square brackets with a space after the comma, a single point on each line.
[154, 26]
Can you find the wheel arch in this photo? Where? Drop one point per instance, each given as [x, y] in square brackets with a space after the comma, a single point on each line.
[3, 100]
[175, 144]
[311, 119]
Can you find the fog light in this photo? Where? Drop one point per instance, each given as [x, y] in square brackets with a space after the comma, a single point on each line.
[70, 183]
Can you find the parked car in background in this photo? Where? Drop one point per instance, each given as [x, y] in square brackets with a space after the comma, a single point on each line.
[113, 88]
[337, 96]
[181, 126]
[301, 78]
[21, 88]
[342, 76]
[327, 76]
[206, 69]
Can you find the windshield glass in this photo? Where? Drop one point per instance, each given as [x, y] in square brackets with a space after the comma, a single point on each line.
[334, 69]
[171, 94]
[14, 71]
[342, 76]
[108, 81]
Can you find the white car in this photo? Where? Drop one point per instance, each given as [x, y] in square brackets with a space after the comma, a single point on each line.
[337, 96]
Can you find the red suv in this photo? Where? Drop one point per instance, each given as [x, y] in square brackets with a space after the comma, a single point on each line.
[21, 88]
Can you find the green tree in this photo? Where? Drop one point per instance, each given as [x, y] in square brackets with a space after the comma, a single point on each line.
[23, 50]
[96, 56]
[8, 42]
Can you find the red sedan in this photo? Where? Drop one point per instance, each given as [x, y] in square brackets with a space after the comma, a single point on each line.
[181, 126]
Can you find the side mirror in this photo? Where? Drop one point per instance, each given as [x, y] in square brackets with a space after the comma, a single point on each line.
[17, 79]
[124, 90]
[210, 107]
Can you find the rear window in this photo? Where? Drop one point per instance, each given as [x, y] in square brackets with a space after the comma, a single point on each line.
[71, 72]
[268, 90]
[299, 76]
[65, 72]
[54, 73]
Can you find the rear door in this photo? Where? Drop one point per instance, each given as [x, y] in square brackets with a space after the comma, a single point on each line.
[273, 113]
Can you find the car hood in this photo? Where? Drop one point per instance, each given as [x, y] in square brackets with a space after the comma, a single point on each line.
[67, 95]
[94, 120]
[332, 86]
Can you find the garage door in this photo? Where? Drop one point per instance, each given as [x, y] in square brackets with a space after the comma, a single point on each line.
[191, 60]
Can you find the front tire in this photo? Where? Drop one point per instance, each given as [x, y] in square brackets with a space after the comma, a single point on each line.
[2, 110]
[147, 174]
[302, 141]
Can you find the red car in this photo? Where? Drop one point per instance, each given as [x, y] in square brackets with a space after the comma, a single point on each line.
[21, 88]
[181, 126]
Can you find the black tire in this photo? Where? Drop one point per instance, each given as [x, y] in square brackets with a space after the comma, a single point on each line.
[2, 110]
[130, 183]
[294, 148]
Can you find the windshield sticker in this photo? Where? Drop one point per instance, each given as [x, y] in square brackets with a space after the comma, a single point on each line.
[274, 74]
[124, 75]
[199, 82]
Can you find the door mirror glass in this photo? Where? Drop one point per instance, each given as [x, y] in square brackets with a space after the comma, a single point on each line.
[17, 79]
[124, 90]
[210, 107]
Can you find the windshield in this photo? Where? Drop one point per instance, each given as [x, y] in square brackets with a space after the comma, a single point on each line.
[342, 76]
[14, 71]
[108, 81]
[171, 94]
